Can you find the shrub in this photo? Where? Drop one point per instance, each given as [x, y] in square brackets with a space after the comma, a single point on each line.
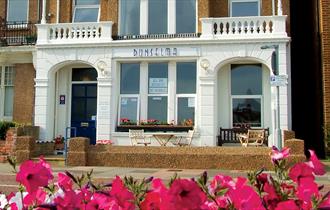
[4, 126]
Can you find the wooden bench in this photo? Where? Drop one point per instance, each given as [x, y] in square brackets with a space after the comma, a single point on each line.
[230, 135]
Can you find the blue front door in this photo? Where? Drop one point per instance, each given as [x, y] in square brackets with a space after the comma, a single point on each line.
[83, 110]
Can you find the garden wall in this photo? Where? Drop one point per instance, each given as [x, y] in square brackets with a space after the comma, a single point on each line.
[230, 158]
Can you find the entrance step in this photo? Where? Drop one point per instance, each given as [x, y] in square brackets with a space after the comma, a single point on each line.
[53, 160]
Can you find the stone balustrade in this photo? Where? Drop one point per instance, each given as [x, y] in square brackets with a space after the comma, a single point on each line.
[244, 27]
[63, 33]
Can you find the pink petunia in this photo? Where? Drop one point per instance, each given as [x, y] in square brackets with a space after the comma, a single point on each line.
[70, 200]
[184, 194]
[315, 164]
[277, 155]
[306, 190]
[287, 205]
[245, 198]
[36, 198]
[33, 175]
[300, 170]
[221, 182]
[152, 201]
[64, 182]
[120, 194]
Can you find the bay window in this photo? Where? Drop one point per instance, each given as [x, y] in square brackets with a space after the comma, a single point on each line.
[246, 94]
[185, 16]
[7, 75]
[185, 91]
[165, 92]
[129, 17]
[129, 93]
[86, 11]
[17, 10]
[157, 17]
[241, 8]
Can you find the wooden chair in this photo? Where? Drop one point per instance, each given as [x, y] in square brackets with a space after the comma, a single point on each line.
[253, 137]
[185, 140]
[138, 137]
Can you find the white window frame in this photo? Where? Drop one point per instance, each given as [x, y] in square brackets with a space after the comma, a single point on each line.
[177, 106]
[172, 96]
[90, 6]
[247, 97]
[230, 6]
[158, 94]
[27, 12]
[138, 106]
[2, 91]
[171, 17]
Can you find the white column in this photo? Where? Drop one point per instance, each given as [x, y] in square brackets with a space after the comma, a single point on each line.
[171, 90]
[103, 121]
[43, 16]
[207, 112]
[171, 23]
[279, 8]
[273, 7]
[144, 17]
[40, 108]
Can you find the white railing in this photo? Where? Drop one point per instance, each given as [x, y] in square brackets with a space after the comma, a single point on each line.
[244, 27]
[74, 33]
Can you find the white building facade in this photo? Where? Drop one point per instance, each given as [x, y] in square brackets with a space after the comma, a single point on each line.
[218, 78]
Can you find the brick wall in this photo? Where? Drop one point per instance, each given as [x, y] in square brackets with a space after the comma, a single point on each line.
[24, 93]
[3, 9]
[325, 45]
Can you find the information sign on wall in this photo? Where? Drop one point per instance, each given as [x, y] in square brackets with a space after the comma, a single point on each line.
[157, 85]
[278, 80]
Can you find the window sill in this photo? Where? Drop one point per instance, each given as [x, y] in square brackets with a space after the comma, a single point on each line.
[153, 128]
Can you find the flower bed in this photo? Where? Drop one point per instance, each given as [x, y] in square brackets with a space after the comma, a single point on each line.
[290, 188]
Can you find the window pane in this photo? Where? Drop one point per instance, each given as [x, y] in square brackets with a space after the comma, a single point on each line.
[9, 75]
[86, 15]
[130, 17]
[84, 74]
[79, 111]
[130, 78]
[246, 79]
[17, 10]
[87, 2]
[128, 108]
[158, 78]
[90, 108]
[157, 108]
[240, 9]
[9, 101]
[186, 77]
[185, 16]
[78, 91]
[157, 18]
[91, 91]
[186, 109]
[247, 111]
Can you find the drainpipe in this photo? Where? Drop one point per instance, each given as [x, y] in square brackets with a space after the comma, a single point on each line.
[58, 11]
[279, 8]
[43, 17]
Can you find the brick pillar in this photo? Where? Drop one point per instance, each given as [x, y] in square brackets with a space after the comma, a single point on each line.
[77, 154]
[23, 147]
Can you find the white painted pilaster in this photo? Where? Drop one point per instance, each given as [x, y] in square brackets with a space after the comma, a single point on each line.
[43, 16]
[103, 122]
[207, 111]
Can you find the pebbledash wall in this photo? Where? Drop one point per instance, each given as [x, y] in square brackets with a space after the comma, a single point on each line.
[54, 60]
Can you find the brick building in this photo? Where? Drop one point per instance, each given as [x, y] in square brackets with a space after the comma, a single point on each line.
[97, 62]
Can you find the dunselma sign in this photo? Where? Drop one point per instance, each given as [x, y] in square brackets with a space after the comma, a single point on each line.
[155, 52]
